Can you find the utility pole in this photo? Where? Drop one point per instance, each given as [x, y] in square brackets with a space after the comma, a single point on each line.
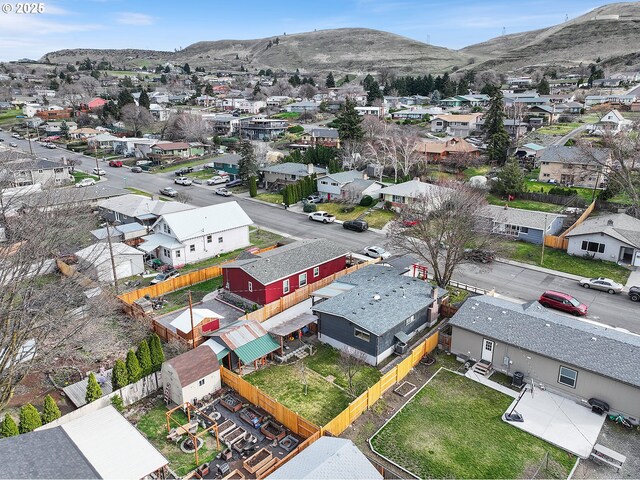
[193, 335]
[113, 262]
[29, 138]
[544, 234]
[98, 168]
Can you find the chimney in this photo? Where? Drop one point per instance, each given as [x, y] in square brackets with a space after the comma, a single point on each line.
[434, 308]
[310, 168]
[365, 176]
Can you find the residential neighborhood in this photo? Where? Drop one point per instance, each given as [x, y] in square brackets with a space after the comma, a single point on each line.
[312, 243]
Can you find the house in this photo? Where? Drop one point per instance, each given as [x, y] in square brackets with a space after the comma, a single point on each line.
[55, 114]
[591, 100]
[373, 111]
[515, 128]
[327, 137]
[132, 208]
[25, 172]
[132, 146]
[303, 107]
[160, 113]
[102, 140]
[416, 113]
[172, 149]
[375, 309]
[198, 234]
[576, 358]
[526, 225]
[330, 186]
[227, 163]
[128, 233]
[266, 129]
[436, 151]
[268, 276]
[191, 376]
[530, 149]
[89, 196]
[574, 166]
[456, 125]
[72, 449]
[355, 190]
[281, 174]
[83, 133]
[102, 259]
[328, 457]
[96, 103]
[611, 123]
[404, 193]
[611, 237]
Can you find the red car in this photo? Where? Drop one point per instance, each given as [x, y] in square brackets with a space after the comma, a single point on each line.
[562, 301]
[115, 163]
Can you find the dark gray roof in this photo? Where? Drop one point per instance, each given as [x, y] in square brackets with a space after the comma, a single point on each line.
[37, 164]
[71, 195]
[344, 177]
[599, 349]
[229, 159]
[620, 226]
[325, 132]
[381, 299]
[284, 261]
[291, 168]
[572, 155]
[47, 453]
[520, 217]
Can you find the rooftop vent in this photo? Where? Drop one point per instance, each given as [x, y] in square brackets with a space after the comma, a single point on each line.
[547, 325]
[377, 297]
[610, 223]
[489, 318]
[593, 339]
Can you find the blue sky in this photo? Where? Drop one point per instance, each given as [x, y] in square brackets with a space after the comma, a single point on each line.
[164, 25]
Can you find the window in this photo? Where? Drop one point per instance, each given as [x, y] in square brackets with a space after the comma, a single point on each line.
[250, 286]
[285, 286]
[398, 199]
[209, 238]
[334, 184]
[220, 239]
[302, 279]
[324, 183]
[201, 382]
[525, 229]
[567, 377]
[361, 334]
[166, 252]
[316, 272]
[410, 320]
[593, 247]
[58, 170]
[546, 175]
[166, 228]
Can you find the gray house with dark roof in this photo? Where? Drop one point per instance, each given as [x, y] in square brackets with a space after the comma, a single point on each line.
[575, 358]
[526, 225]
[372, 310]
[281, 174]
[574, 166]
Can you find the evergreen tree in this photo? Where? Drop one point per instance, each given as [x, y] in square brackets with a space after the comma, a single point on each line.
[133, 367]
[208, 90]
[119, 375]
[144, 358]
[498, 138]
[157, 354]
[163, 79]
[373, 92]
[29, 419]
[256, 89]
[124, 98]
[186, 69]
[64, 129]
[50, 410]
[247, 165]
[8, 427]
[511, 179]
[144, 101]
[94, 391]
[295, 80]
[54, 85]
[543, 87]
[349, 121]
[167, 69]
[435, 97]
[330, 82]
[285, 196]
[253, 186]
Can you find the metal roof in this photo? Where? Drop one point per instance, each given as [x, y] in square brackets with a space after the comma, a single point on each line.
[597, 348]
[256, 349]
[220, 350]
[153, 241]
[77, 392]
[139, 206]
[240, 333]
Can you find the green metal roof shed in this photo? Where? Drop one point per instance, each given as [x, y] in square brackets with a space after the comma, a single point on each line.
[255, 349]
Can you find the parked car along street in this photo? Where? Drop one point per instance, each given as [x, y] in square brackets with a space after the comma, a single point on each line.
[98, 171]
[115, 163]
[601, 283]
[169, 191]
[222, 191]
[562, 301]
[234, 183]
[217, 180]
[322, 216]
[186, 181]
[136, 169]
[356, 225]
[86, 182]
[314, 199]
[376, 252]
[634, 294]
[183, 171]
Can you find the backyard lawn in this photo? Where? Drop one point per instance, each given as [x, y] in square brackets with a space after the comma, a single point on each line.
[453, 429]
[525, 204]
[9, 116]
[322, 402]
[559, 129]
[473, 171]
[378, 218]
[563, 262]
[270, 197]
[176, 166]
[287, 115]
[154, 426]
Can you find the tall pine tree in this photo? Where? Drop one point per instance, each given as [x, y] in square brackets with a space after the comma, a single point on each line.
[94, 391]
[511, 179]
[133, 367]
[144, 101]
[330, 82]
[247, 165]
[349, 122]
[119, 375]
[144, 358]
[50, 410]
[157, 355]
[496, 134]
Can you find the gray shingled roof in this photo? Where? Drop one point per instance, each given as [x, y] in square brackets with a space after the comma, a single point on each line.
[400, 297]
[623, 227]
[291, 168]
[325, 132]
[604, 351]
[517, 216]
[344, 177]
[44, 454]
[413, 189]
[284, 261]
[572, 155]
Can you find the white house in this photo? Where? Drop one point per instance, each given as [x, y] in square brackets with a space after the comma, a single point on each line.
[191, 376]
[128, 260]
[198, 234]
[405, 193]
[456, 125]
[611, 122]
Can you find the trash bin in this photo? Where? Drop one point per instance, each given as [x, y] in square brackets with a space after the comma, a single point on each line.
[518, 379]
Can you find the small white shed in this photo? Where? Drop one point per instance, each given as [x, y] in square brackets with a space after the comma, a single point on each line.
[128, 261]
[191, 376]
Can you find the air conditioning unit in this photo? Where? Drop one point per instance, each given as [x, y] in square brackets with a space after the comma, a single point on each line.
[400, 348]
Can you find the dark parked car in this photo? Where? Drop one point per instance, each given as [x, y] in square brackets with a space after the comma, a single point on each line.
[183, 171]
[634, 294]
[562, 301]
[234, 183]
[356, 225]
[136, 169]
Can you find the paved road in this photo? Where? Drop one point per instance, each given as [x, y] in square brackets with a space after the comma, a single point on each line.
[512, 281]
[562, 140]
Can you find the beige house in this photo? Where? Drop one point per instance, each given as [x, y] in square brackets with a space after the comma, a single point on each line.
[456, 125]
[573, 166]
[191, 376]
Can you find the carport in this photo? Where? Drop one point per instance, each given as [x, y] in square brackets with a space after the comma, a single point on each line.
[558, 420]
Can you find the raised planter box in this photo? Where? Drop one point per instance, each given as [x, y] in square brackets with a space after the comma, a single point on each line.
[288, 443]
[273, 431]
[234, 436]
[251, 416]
[235, 475]
[257, 460]
[226, 427]
[231, 403]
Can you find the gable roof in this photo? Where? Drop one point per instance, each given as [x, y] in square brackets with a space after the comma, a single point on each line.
[612, 116]
[291, 168]
[620, 226]
[206, 220]
[183, 321]
[100, 253]
[194, 365]
[134, 206]
[281, 262]
[171, 146]
[520, 217]
[453, 145]
[596, 348]
[412, 189]
[343, 177]
[360, 185]
[572, 155]
[240, 333]
[381, 298]
[469, 118]
[324, 133]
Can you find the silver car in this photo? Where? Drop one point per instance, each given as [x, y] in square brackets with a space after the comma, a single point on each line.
[601, 283]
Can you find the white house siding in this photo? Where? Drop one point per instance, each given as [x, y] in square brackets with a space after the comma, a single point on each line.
[231, 240]
[126, 266]
[189, 393]
[328, 188]
[621, 397]
[611, 250]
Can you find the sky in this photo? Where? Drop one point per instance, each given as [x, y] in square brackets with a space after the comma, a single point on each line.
[164, 25]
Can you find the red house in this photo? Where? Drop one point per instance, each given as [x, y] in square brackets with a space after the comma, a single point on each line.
[266, 277]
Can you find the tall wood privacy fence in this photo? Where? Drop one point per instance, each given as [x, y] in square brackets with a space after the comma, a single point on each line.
[561, 242]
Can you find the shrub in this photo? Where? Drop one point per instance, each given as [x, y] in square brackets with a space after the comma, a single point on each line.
[94, 391]
[253, 187]
[388, 205]
[366, 201]
[157, 354]
[8, 427]
[348, 209]
[144, 358]
[309, 207]
[29, 419]
[295, 129]
[119, 375]
[50, 411]
[133, 367]
[565, 192]
[116, 401]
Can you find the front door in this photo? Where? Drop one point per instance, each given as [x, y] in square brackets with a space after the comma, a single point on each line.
[487, 350]
[626, 255]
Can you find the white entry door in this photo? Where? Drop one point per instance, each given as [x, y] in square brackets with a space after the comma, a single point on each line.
[487, 350]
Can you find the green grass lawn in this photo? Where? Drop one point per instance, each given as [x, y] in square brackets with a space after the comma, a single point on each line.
[263, 238]
[287, 115]
[473, 171]
[177, 166]
[154, 426]
[270, 197]
[77, 176]
[543, 187]
[322, 402]
[8, 117]
[326, 361]
[525, 204]
[563, 262]
[180, 298]
[204, 175]
[453, 429]
[378, 218]
[139, 192]
[558, 129]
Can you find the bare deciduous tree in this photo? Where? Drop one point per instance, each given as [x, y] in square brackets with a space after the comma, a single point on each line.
[189, 127]
[351, 362]
[135, 117]
[90, 85]
[307, 91]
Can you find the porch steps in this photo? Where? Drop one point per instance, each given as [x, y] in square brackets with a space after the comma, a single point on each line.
[300, 354]
[482, 368]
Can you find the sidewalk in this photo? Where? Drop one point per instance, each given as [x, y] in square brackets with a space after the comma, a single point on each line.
[634, 279]
[548, 271]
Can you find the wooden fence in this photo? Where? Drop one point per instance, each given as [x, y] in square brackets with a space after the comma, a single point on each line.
[561, 242]
[356, 408]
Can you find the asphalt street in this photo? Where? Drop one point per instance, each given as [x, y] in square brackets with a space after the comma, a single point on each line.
[512, 281]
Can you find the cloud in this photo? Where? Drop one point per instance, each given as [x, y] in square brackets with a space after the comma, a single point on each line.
[132, 18]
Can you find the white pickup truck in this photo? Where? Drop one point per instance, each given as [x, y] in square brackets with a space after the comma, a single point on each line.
[322, 216]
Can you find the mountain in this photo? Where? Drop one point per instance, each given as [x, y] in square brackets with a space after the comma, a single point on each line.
[606, 32]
